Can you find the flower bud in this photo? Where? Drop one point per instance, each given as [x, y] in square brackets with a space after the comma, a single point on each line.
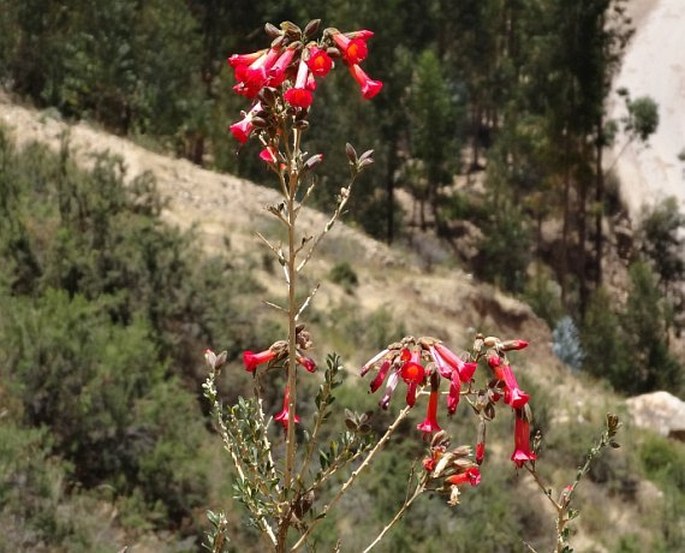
[351, 153]
[311, 28]
[490, 341]
[272, 31]
[513, 345]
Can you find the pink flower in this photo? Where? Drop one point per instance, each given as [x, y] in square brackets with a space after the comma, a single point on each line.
[240, 63]
[465, 370]
[307, 363]
[513, 395]
[368, 86]
[283, 415]
[522, 452]
[353, 50]
[237, 60]
[252, 78]
[366, 367]
[444, 368]
[278, 70]
[430, 424]
[393, 379]
[380, 377]
[251, 359]
[300, 96]
[267, 155]
[470, 476]
[319, 62]
[454, 394]
[364, 34]
[257, 72]
[242, 129]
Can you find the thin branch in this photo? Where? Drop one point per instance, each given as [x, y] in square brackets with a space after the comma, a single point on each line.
[365, 463]
[265, 240]
[545, 490]
[420, 488]
[306, 302]
[304, 242]
[344, 196]
[275, 306]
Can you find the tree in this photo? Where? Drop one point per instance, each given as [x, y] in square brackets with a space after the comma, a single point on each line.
[433, 132]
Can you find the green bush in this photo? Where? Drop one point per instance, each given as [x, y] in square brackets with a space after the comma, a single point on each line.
[344, 275]
[504, 252]
[106, 397]
[629, 346]
[102, 309]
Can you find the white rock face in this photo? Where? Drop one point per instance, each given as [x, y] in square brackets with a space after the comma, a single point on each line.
[659, 411]
[654, 65]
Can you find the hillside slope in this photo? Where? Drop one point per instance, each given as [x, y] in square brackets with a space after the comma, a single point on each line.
[448, 303]
[227, 210]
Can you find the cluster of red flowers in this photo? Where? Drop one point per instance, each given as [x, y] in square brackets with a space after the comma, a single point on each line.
[290, 68]
[276, 353]
[426, 361]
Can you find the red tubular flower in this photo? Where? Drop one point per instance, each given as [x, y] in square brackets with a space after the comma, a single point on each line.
[364, 34]
[257, 72]
[252, 359]
[454, 394]
[369, 87]
[242, 129]
[430, 424]
[513, 345]
[410, 398]
[513, 395]
[252, 78]
[412, 370]
[480, 452]
[319, 62]
[300, 96]
[307, 363]
[465, 370]
[480, 442]
[267, 155]
[444, 368]
[522, 451]
[283, 416]
[471, 476]
[380, 377]
[237, 60]
[353, 50]
[240, 62]
[278, 70]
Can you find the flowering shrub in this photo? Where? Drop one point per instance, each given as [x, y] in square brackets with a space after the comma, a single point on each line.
[286, 496]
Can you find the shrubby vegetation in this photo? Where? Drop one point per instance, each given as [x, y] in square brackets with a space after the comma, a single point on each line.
[103, 310]
[492, 96]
